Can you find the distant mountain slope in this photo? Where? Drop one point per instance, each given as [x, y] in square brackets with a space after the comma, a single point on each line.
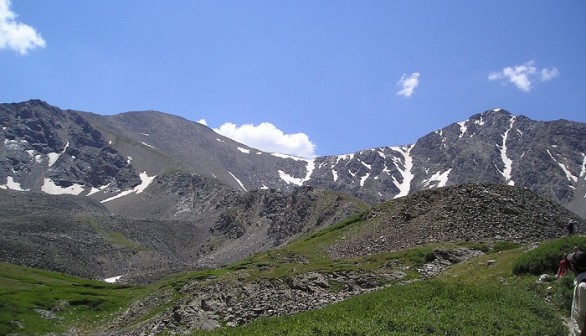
[156, 142]
[494, 146]
[115, 157]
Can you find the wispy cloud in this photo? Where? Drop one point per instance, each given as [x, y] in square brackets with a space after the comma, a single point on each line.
[524, 75]
[269, 138]
[408, 84]
[15, 35]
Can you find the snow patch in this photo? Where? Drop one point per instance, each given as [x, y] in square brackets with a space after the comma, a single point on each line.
[244, 150]
[12, 185]
[404, 167]
[53, 157]
[479, 122]
[97, 190]
[569, 176]
[583, 167]
[344, 157]
[463, 128]
[440, 178]
[146, 180]
[366, 165]
[50, 187]
[129, 158]
[508, 163]
[296, 180]
[113, 279]
[363, 179]
[146, 144]
[14, 144]
[239, 182]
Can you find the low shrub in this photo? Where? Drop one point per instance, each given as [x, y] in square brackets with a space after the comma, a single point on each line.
[546, 257]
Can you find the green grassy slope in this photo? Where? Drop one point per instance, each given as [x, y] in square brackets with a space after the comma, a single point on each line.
[470, 298]
[35, 302]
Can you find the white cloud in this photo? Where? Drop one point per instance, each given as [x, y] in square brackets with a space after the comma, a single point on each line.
[549, 74]
[408, 84]
[524, 75]
[15, 35]
[269, 138]
[203, 122]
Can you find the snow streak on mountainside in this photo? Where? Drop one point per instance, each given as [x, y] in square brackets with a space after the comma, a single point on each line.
[508, 163]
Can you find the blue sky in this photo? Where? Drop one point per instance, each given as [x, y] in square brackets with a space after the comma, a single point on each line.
[303, 77]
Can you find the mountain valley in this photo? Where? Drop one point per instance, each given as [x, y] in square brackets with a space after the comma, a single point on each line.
[145, 199]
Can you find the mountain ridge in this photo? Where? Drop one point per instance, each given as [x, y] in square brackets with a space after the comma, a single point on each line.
[494, 146]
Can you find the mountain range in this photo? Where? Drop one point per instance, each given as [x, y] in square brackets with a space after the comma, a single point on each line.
[145, 193]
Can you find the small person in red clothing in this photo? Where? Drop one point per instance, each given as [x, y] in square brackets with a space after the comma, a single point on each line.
[562, 269]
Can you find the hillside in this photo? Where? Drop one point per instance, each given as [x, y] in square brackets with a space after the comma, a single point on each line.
[361, 254]
[319, 270]
[182, 222]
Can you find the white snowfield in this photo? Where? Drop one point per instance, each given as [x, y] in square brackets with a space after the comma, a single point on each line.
[508, 163]
[239, 182]
[113, 279]
[404, 167]
[441, 179]
[50, 187]
[296, 180]
[12, 185]
[562, 162]
[146, 180]
[53, 157]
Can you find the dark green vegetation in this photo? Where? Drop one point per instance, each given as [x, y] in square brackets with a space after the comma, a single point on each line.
[546, 258]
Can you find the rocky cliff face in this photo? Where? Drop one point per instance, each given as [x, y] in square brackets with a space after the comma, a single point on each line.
[46, 148]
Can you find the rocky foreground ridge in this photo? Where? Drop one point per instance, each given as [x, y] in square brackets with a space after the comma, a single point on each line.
[210, 303]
